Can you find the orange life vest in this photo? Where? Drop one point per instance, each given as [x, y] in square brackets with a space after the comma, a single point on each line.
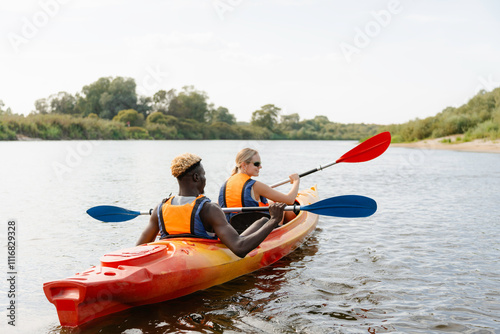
[237, 192]
[182, 220]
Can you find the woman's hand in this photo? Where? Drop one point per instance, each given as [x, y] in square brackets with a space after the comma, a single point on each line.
[294, 178]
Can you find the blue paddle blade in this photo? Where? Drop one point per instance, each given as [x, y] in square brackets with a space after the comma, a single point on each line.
[111, 214]
[347, 206]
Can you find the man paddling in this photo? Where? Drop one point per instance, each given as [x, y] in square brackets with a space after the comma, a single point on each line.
[191, 213]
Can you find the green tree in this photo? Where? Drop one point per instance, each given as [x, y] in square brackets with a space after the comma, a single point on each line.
[162, 99]
[475, 119]
[144, 105]
[321, 120]
[266, 117]
[189, 104]
[107, 96]
[62, 103]
[3, 111]
[289, 122]
[42, 106]
[223, 115]
[89, 102]
[120, 95]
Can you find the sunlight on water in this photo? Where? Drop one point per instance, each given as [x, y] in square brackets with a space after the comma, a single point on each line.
[427, 261]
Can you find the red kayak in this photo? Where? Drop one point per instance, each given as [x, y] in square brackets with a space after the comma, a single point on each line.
[168, 269]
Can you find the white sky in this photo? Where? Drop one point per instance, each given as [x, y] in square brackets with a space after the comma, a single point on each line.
[408, 58]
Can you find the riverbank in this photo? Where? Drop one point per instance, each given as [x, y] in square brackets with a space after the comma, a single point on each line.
[455, 143]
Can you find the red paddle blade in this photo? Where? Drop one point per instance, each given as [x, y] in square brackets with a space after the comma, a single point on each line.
[369, 149]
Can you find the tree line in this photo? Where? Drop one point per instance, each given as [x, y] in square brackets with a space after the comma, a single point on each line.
[476, 119]
[110, 108]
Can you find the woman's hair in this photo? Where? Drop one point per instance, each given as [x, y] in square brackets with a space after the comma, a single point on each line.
[245, 155]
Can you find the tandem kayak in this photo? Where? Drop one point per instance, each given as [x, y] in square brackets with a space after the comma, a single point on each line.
[168, 269]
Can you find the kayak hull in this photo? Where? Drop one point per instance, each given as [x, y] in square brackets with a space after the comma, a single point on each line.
[168, 269]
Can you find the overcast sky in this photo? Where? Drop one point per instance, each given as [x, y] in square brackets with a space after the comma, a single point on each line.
[359, 61]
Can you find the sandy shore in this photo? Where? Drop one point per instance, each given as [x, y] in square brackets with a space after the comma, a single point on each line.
[478, 145]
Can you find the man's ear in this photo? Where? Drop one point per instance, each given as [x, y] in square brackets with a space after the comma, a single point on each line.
[196, 177]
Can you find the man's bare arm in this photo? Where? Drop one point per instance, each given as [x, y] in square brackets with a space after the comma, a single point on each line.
[151, 231]
[240, 245]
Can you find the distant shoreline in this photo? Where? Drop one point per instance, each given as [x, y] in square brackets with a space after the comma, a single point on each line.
[477, 145]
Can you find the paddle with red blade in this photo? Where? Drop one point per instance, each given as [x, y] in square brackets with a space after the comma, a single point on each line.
[367, 150]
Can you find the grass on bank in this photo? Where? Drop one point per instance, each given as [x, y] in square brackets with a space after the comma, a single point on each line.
[57, 127]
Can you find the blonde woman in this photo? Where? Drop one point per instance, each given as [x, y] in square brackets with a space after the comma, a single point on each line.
[240, 190]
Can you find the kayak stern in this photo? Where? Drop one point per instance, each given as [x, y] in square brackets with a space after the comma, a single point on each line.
[168, 269]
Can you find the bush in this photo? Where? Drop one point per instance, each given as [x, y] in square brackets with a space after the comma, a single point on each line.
[397, 139]
[6, 133]
[190, 129]
[488, 129]
[479, 118]
[222, 130]
[135, 132]
[161, 131]
[130, 117]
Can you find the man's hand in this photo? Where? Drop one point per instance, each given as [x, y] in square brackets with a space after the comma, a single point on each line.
[276, 211]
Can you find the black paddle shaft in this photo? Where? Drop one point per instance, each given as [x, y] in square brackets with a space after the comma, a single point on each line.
[309, 172]
[304, 174]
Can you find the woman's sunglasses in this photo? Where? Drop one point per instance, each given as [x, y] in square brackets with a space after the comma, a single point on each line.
[256, 163]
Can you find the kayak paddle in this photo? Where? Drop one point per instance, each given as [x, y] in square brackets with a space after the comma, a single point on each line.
[367, 150]
[347, 206]
[114, 214]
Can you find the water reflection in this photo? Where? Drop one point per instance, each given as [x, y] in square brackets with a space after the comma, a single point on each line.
[427, 261]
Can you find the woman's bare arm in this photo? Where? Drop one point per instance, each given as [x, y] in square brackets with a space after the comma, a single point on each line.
[261, 189]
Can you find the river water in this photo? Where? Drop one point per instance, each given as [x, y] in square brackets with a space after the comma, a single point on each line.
[426, 262]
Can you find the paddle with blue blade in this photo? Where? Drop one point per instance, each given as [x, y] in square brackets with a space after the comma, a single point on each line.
[367, 150]
[114, 214]
[347, 206]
